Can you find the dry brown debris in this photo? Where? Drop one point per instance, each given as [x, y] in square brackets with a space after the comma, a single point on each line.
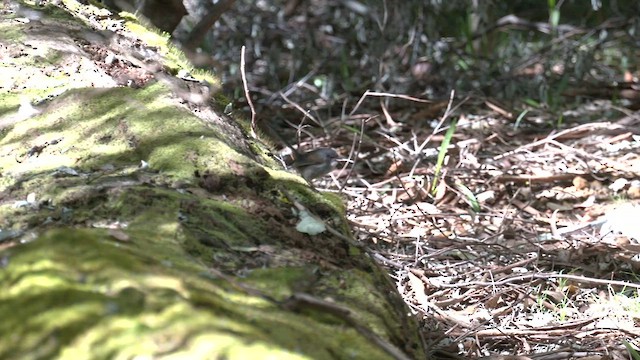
[531, 272]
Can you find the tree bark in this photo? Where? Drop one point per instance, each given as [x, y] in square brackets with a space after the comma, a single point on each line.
[132, 227]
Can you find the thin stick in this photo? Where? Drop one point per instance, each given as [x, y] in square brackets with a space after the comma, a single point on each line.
[299, 108]
[247, 94]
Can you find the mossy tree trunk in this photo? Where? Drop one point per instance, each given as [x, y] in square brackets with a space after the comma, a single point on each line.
[132, 227]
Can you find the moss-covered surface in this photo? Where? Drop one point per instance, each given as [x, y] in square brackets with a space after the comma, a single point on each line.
[131, 227]
[73, 293]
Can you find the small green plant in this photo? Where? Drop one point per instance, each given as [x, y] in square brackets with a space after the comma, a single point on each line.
[633, 352]
[519, 119]
[442, 153]
[469, 197]
[533, 103]
[560, 121]
[554, 13]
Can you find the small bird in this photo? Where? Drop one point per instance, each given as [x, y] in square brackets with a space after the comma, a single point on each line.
[314, 163]
[310, 164]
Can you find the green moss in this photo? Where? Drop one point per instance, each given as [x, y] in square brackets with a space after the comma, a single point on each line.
[150, 37]
[124, 126]
[130, 267]
[11, 33]
[104, 299]
[54, 12]
[282, 282]
[9, 103]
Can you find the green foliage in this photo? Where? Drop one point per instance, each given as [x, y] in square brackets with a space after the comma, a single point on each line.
[633, 352]
[442, 153]
[519, 119]
[469, 197]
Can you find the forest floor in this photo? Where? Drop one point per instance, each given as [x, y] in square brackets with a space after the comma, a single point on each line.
[519, 237]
